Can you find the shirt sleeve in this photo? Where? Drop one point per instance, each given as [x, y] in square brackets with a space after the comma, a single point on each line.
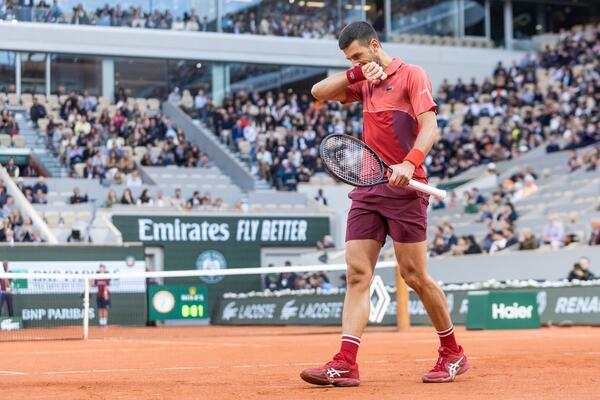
[420, 92]
[354, 93]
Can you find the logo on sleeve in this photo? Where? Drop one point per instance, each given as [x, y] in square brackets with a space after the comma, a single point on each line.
[423, 91]
[389, 88]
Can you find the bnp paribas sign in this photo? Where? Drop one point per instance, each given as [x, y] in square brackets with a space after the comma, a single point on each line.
[302, 231]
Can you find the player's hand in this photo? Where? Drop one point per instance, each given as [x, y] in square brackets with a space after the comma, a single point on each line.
[402, 173]
[373, 72]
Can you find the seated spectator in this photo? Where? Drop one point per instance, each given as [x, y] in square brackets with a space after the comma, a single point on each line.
[37, 111]
[134, 179]
[39, 197]
[326, 243]
[271, 280]
[24, 232]
[470, 204]
[450, 238]
[41, 185]
[552, 146]
[145, 198]
[554, 232]
[528, 241]
[127, 197]
[8, 206]
[486, 215]
[177, 200]
[111, 199]
[508, 214]
[77, 198]
[502, 240]
[580, 271]
[12, 169]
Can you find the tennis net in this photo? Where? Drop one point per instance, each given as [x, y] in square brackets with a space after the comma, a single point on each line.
[43, 305]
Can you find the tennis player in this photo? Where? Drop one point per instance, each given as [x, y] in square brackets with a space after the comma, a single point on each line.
[400, 125]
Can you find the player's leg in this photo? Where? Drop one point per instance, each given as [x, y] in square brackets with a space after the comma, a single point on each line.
[366, 231]
[342, 370]
[412, 262]
[361, 257]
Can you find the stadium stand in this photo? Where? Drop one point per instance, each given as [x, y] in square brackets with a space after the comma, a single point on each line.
[512, 112]
[268, 18]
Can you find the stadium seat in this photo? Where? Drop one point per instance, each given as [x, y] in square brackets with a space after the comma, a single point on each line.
[68, 218]
[84, 216]
[13, 99]
[5, 140]
[52, 218]
[18, 141]
[42, 124]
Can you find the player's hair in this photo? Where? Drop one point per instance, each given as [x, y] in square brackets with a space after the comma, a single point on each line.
[360, 30]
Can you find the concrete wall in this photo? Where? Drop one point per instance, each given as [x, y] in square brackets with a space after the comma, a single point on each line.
[439, 61]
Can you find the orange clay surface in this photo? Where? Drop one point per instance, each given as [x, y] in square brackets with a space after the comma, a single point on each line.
[264, 362]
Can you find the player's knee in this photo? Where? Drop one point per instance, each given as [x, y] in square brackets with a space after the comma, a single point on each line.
[414, 279]
[358, 276]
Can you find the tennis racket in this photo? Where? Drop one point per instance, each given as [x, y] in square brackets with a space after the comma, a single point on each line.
[351, 161]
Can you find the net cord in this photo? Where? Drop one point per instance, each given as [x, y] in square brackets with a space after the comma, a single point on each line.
[187, 273]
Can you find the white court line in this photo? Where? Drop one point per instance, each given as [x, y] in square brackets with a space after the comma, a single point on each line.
[183, 368]
[209, 344]
[92, 371]
[13, 373]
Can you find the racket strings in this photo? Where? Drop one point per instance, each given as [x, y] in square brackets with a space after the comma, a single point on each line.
[350, 160]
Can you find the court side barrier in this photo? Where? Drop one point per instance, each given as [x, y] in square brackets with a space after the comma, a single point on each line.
[577, 304]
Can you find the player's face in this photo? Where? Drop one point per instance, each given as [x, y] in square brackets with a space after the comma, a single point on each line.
[359, 54]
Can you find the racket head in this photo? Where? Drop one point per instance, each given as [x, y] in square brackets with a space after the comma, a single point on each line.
[350, 160]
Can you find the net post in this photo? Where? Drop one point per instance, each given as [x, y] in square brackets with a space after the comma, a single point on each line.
[402, 313]
[86, 307]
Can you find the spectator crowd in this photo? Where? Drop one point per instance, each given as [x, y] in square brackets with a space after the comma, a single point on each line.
[274, 18]
[13, 226]
[99, 143]
[550, 98]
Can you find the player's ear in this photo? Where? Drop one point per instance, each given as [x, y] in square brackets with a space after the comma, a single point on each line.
[374, 45]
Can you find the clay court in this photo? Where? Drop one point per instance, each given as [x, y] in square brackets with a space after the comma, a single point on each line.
[248, 363]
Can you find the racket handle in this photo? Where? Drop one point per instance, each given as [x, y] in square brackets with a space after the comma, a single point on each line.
[422, 187]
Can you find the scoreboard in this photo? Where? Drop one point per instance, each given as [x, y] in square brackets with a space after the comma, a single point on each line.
[186, 302]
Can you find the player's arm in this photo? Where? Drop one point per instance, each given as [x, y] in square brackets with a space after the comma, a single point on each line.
[334, 87]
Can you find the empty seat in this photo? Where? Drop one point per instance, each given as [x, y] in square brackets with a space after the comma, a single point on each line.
[84, 216]
[18, 141]
[52, 218]
[5, 140]
[68, 218]
[14, 99]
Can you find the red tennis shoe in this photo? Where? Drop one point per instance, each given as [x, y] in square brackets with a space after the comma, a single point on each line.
[337, 372]
[448, 366]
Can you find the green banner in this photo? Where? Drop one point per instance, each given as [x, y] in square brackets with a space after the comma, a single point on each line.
[177, 302]
[219, 242]
[502, 310]
[563, 305]
[260, 231]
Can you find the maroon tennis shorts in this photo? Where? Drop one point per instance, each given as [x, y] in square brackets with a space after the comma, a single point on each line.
[402, 215]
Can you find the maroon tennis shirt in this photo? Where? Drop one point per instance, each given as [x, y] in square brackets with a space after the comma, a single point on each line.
[390, 125]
